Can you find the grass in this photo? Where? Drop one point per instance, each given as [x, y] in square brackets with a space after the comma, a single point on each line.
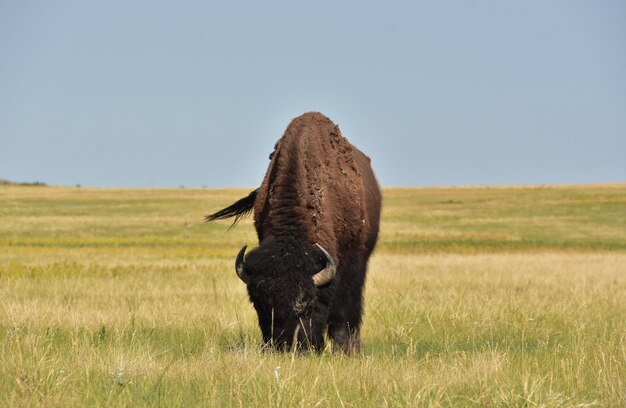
[508, 296]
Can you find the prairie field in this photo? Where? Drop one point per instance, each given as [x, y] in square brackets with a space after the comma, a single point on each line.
[477, 296]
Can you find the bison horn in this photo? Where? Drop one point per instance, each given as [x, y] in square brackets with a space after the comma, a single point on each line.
[240, 266]
[328, 273]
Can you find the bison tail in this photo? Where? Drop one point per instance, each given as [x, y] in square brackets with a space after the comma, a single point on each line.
[239, 209]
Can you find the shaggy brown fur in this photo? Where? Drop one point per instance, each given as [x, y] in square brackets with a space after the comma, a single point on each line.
[319, 180]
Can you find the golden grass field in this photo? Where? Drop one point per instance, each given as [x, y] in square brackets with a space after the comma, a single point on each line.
[501, 296]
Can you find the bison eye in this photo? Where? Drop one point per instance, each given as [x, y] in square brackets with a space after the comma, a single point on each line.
[300, 305]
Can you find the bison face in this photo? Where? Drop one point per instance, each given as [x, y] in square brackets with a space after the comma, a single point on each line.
[283, 284]
[285, 319]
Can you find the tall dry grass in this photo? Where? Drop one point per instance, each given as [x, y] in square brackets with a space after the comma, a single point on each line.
[476, 297]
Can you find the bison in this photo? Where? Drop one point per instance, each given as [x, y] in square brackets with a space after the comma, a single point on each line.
[317, 216]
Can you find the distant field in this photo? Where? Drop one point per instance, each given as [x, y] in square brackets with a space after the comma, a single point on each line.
[504, 296]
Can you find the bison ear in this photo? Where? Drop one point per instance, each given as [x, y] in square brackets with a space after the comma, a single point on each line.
[327, 274]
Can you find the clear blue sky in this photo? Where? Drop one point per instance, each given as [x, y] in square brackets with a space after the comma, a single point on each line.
[155, 93]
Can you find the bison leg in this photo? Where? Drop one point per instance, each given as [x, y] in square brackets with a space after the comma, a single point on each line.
[344, 320]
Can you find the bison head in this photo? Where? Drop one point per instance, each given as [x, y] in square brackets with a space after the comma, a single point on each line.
[284, 282]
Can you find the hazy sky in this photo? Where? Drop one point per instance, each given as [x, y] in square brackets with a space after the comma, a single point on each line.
[152, 93]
